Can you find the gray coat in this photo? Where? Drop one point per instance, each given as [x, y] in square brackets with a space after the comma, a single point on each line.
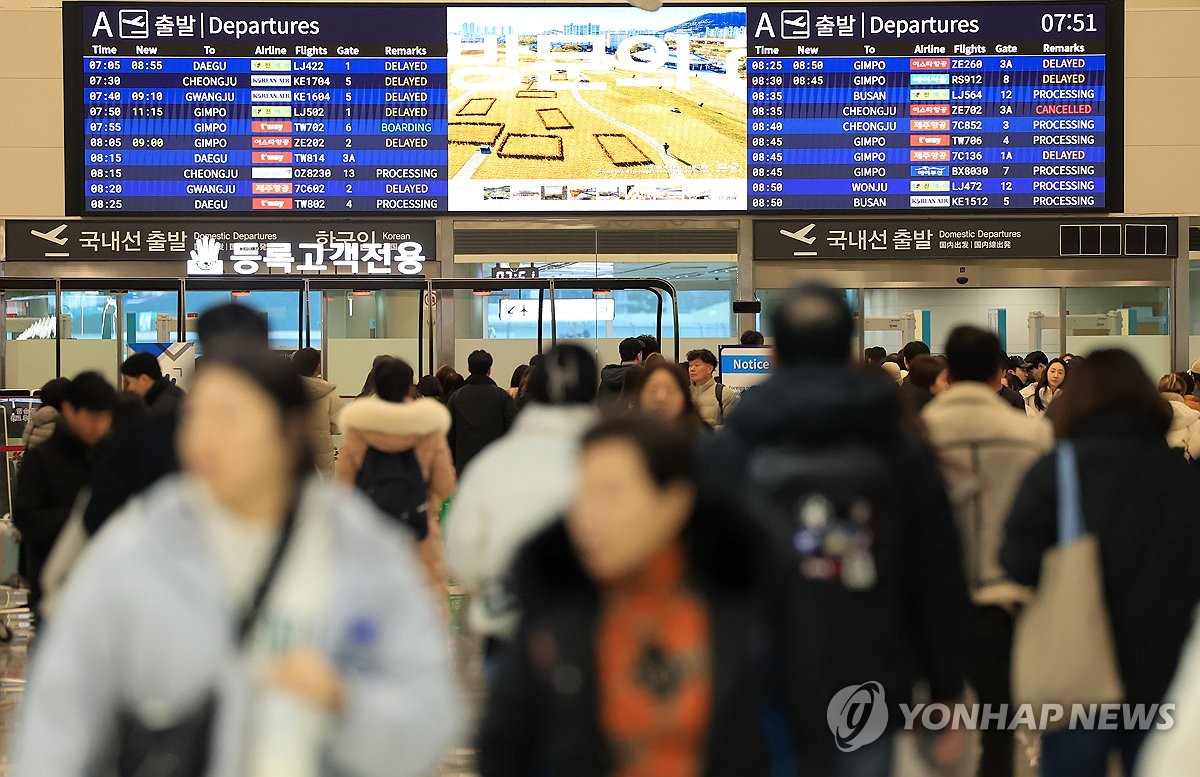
[145, 623]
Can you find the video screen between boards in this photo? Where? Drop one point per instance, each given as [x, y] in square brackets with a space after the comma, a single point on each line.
[290, 109]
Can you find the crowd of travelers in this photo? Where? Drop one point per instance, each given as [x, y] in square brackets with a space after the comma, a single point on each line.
[671, 576]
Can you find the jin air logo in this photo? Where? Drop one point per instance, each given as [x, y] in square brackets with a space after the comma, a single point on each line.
[857, 716]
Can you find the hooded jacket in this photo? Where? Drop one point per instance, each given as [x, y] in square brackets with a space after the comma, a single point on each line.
[511, 491]
[1185, 427]
[922, 634]
[394, 427]
[164, 396]
[324, 407]
[40, 426]
[481, 413]
[984, 447]
[612, 382]
[144, 626]
[1138, 498]
[542, 716]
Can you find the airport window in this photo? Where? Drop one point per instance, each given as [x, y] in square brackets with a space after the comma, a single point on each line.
[702, 313]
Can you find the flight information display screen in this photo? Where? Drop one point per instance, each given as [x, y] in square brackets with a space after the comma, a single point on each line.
[976, 106]
[291, 109]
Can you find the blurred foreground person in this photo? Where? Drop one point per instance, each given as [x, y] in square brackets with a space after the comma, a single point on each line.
[1138, 498]
[139, 456]
[816, 453]
[52, 474]
[666, 395]
[517, 486]
[324, 406]
[395, 451]
[245, 618]
[984, 447]
[648, 645]
[42, 421]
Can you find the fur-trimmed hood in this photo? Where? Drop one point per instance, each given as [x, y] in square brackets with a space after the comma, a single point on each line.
[392, 427]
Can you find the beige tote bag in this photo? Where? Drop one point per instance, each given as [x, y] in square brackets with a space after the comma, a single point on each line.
[1063, 645]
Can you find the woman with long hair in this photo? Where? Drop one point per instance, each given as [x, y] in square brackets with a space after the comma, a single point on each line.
[1138, 499]
[666, 394]
[246, 615]
[368, 388]
[1047, 389]
[1184, 433]
[395, 448]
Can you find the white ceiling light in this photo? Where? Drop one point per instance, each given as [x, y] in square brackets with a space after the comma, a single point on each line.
[646, 5]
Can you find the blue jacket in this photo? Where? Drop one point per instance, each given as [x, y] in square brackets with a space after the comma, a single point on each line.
[144, 624]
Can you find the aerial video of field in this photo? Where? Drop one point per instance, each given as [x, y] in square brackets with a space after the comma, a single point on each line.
[582, 93]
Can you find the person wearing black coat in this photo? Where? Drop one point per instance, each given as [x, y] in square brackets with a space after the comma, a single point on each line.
[481, 412]
[665, 664]
[911, 623]
[52, 474]
[142, 374]
[142, 454]
[1139, 498]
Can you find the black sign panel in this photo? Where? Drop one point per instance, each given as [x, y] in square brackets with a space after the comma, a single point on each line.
[809, 239]
[516, 273]
[310, 248]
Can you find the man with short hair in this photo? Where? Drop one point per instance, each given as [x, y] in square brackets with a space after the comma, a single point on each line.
[52, 474]
[712, 399]
[816, 452]
[142, 374]
[911, 351]
[984, 448]
[480, 412]
[612, 377]
[650, 346]
[1035, 367]
[752, 337]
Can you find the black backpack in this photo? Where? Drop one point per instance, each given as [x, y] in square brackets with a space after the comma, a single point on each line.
[830, 500]
[835, 506]
[394, 482]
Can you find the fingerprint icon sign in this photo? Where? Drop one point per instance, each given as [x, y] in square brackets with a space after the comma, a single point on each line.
[857, 716]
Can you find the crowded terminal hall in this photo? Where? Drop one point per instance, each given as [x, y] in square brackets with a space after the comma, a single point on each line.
[599, 389]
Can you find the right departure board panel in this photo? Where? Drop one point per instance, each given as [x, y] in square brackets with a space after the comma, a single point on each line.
[939, 107]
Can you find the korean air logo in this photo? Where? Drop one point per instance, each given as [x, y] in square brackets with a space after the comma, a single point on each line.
[857, 716]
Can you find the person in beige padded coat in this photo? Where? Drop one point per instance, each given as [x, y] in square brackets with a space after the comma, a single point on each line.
[324, 406]
[391, 422]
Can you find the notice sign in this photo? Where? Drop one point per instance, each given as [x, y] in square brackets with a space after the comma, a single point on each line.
[743, 366]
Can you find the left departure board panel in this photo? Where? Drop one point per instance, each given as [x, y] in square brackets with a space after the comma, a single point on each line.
[259, 108]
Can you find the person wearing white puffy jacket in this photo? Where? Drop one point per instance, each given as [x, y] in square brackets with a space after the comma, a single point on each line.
[1185, 422]
[519, 485]
[276, 613]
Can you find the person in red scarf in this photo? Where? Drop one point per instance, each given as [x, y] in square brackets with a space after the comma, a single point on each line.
[653, 641]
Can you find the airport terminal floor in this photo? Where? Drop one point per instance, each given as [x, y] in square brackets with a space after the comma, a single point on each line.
[599, 389]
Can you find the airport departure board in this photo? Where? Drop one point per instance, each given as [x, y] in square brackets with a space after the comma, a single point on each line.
[293, 109]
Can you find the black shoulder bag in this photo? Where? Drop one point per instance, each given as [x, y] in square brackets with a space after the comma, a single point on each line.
[184, 749]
